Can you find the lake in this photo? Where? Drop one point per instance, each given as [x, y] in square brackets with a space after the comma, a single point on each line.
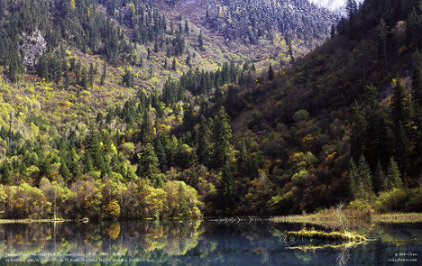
[203, 243]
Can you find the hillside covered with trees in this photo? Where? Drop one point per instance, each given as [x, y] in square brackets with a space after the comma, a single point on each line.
[125, 109]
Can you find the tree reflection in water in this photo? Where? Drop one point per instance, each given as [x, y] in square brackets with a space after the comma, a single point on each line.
[197, 242]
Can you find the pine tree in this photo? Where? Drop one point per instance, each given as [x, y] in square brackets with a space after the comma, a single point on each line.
[201, 41]
[104, 75]
[174, 64]
[84, 79]
[91, 75]
[188, 61]
[379, 178]
[353, 178]
[270, 73]
[186, 28]
[146, 129]
[242, 159]
[332, 32]
[365, 179]
[64, 171]
[204, 142]
[383, 34]
[188, 117]
[161, 154]
[222, 135]
[417, 79]
[393, 176]
[228, 187]
[66, 79]
[128, 79]
[155, 46]
[147, 162]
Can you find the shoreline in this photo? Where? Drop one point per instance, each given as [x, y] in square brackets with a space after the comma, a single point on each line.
[332, 219]
[322, 218]
[30, 221]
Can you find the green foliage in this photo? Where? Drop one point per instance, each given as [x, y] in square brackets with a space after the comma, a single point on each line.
[148, 162]
[222, 135]
[392, 201]
[301, 115]
[128, 79]
[393, 178]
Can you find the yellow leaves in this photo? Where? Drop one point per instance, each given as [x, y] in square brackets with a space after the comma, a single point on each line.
[132, 7]
[221, 12]
[65, 104]
[230, 20]
[89, 11]
[331, 157]
[114, 230]
[394, 82]
[307, 139]
[72, 4]
[113, 209]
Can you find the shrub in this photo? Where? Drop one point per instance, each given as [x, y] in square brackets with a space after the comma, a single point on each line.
[415, 200]
[394, 200]
[360, 205]
[301, 115]
[300, 178]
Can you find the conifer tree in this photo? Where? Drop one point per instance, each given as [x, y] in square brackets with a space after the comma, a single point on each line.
[398, 106]
[201, 41]
[228, 187]
[66, 79]
[174, 64]
[270, 73]
[146, 128]
[147, 162]
[204, 142]
[222, 135]
[161, 155]
[84, 79]
[242, 159]
[379, 178]
[353, 178]
[383, 34]
[91, 75]
[417, 79]
[393, 176]
[104, 75]
[365, 177]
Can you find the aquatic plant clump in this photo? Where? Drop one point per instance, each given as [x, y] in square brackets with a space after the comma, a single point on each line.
[329, 236]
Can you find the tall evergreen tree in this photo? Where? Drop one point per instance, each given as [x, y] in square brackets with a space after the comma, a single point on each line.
[270, 73]
[393, 178]
[146, 129]
[222, 135]
[161, 155]
[104, 75]
[204, 142]
[228, 187]
[147, 162]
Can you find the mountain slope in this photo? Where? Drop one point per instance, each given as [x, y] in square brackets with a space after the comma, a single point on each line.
[117, 130]
[342, 124]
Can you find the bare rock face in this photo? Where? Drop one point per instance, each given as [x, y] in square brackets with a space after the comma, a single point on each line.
[32, 47]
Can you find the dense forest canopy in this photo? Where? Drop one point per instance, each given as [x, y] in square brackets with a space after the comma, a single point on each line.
[341, 125]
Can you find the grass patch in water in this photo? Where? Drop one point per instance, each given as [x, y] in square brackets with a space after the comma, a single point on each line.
[413, 217]
[318, 247]
[321, 235]
[29, 221]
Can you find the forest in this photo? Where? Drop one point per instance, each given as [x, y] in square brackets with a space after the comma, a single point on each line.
[341, 124]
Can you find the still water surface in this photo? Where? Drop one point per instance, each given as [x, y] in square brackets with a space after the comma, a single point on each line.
[202, 243]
